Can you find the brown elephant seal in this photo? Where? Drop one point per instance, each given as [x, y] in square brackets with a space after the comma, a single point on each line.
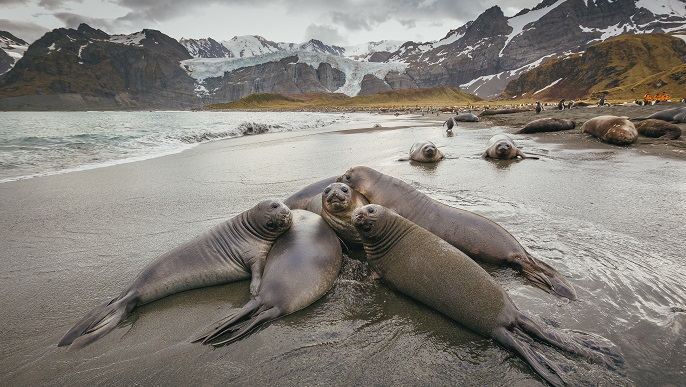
[230, 251]
[658, 129]
[304, 197]
[466, 117]
[337, 205]
[478, 237]
[421, 265]
[611, 129]
[503, 147]
[547, 125]
[425, 152]
[301, 267]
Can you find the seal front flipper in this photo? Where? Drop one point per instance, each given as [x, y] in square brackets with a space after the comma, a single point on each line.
[545, 277]
[99, 322]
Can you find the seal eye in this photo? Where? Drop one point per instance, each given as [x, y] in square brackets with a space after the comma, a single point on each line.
[347, 176]
[327, 190]
[270, 224]
[344, 189]
[275, 205]
[371, 210]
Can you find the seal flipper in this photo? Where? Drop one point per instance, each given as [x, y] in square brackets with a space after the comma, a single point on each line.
[99, 322]
[545, 276]
[252, 315]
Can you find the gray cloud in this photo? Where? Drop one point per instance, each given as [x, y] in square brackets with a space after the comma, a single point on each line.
[327, 34]
[22, 30]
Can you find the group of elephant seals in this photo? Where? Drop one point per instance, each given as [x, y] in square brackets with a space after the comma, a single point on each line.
[425, 152]
[503, 147]
[658, 129]
[233, 250]
[419, 264]
[547, 125]
[301, 267]
[466, 117]
[478, 237]
[611, 129]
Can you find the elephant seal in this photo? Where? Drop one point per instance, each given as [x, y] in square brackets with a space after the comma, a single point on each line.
[301, 199]
[675, 115]
[547, 125]
[466, 117]
[421, 265]
[658, 129]
[425, 152]
[230, 251]
[301, 267]
[611, 129]
[478, 237]
[450, 122]
[337, 205]
[502, 146]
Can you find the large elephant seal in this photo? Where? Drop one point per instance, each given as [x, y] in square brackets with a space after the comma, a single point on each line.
[421, 265]
[478, 237]
[301, 267]
[658, 129]
[611, 129]
[304, 197]
[675, 115]
[425, 152]
[337, 205]
[466, 117]
[502, 146]
[233, 250]
[547, 125]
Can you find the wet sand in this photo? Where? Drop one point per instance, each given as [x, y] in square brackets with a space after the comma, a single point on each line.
[607, 217]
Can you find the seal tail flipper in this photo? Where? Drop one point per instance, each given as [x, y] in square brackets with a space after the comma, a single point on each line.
[257, 320]
[547, 278]
[240, 324]
[99, 322]
[230, 322]
[543, 367]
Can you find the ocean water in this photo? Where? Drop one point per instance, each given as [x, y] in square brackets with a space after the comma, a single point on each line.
[44, 143]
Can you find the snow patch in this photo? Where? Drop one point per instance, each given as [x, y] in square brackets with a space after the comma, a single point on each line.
[664, 7]
[519, 22]
[131, 40]
[547, 87]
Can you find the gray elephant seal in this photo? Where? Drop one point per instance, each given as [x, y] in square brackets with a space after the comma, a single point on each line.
[658, 129]
[337, 205]
[675, 115]
[478, 237]
[301, 267]
[466, 117]
[304, 197]
[611, 129]
[502, 146]
[425, 152]
[547, 125]
[421, 265]
[233, 250]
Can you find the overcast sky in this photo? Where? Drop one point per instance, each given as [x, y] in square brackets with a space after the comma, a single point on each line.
[341, 22]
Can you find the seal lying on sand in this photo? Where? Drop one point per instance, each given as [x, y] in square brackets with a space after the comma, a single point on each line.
[233, 250]
[502, 146]
[421, 265]
[611, 129]
[658, 129]
[301, 267]
[480, 238]
[547, 125]
[425, 152]
[466, 117]
[675, 115]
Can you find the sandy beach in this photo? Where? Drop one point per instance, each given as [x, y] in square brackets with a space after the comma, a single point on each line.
[607, 217]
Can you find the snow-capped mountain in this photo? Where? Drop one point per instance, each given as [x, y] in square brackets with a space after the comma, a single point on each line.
[11, 50]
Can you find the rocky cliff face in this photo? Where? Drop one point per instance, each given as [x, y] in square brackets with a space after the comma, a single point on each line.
[11, 50]
[120, 71]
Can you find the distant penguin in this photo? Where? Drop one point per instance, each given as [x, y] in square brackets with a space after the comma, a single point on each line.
[561, 104]
[539, 108]
[601, 102]
[450, 122]
[570, 104]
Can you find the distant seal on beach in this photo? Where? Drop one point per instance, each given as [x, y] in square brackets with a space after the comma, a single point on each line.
[421, 265]
[480, 238]
[658, 129]
[611, 129]
[425, 152]
[301, 267]
[337, 204]
[502, 146]
[233, 250]
[450, 122]
[675, 115]
[547, 125]
[466, 117]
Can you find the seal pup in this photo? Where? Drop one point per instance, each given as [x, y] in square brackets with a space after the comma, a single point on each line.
[301, 267]
[233, 250]
[417, 263]
[477, 236]
[337, 205]
[547, 125]
[658, 129]
[611, 129]
[502, 146]
[425, 152]
[466, 117]
[539, 108]
[450, 122]
[301, 199]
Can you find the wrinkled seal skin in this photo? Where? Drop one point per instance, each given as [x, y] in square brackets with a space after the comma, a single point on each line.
[337, 205]
[466, 117]
[547, 125]
[421, 265]
[301, 267]
[233, 250]
[425, 152]
[480, 238]
[301, 199]
[658, 129]
[503, 147]
[611, 129]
